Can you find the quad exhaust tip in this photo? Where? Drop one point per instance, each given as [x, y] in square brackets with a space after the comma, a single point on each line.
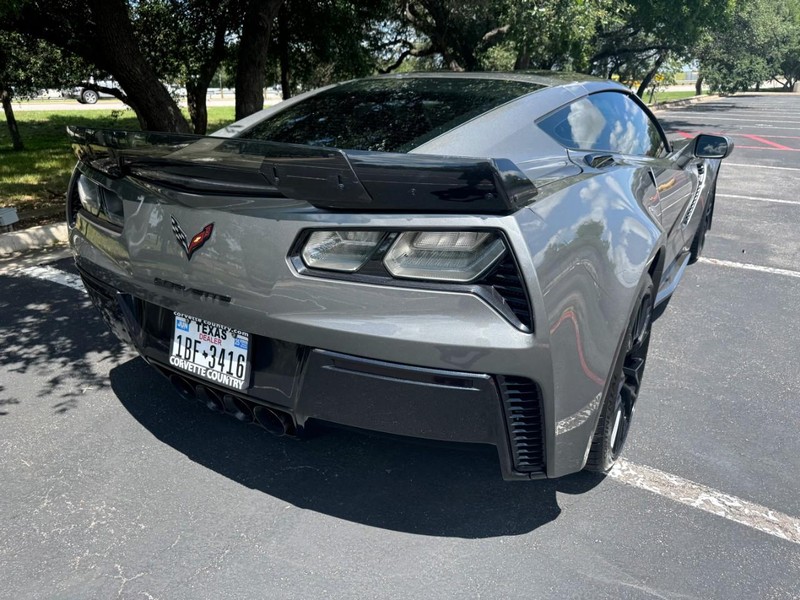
[183, 387]
[276, 422]
[240, 409]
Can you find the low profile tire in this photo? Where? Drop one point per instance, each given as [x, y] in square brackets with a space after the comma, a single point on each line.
[89, 97]
[618, 406]
[699, 240]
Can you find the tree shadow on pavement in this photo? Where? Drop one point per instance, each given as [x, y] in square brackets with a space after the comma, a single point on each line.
[53, 337]
[387, 482]
[5, 402]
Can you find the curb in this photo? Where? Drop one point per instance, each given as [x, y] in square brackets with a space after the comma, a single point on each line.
[684, 101]
[33, 238]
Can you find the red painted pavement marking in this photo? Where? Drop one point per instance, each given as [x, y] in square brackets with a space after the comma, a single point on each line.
[765, 141]
[768, 148]
[784, 137]
[769, 145]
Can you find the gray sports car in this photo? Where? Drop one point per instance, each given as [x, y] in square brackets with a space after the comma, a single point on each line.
[459, 257]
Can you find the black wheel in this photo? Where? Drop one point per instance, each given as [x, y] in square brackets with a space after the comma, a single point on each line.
[618, 406]
[705, 224]
[89, 97]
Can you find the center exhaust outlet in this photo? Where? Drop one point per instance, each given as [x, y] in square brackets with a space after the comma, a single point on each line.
[183, 387]
[210, 398]
[237, 407]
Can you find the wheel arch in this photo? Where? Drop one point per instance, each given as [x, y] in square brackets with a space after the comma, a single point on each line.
[593, 244]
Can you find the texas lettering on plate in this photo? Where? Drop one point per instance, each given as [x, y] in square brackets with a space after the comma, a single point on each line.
[211, 351]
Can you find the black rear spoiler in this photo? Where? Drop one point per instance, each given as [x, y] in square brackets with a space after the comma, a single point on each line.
[325, 177]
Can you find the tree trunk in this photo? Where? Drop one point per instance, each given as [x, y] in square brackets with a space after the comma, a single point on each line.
[648, 79]
[196, 92]
[523, 61]
[105, 39]
[252, 59]
[197, 88]
[16, 138]
[698, 86]
[119, 54]
[283, 49]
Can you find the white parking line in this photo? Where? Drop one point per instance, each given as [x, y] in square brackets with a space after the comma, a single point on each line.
[740, 114]
[51, 274]
[754, 121]
[776, 200]
[727, 164]
[749, 267]
[709, 500]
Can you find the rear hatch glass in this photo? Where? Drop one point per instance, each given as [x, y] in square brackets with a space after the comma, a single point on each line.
[387, 115]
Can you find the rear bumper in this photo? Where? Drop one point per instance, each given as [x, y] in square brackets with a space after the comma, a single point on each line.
[309, 383]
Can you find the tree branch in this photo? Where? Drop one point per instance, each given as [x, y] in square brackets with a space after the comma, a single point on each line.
[489, 36]
[404, 55]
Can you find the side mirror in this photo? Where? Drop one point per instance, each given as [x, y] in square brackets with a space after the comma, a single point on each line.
[712, 146]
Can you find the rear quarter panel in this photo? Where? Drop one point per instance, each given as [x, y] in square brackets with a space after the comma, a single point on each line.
[591, 240]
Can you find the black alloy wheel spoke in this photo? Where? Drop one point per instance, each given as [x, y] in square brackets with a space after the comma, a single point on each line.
[631, 376]
[633, 369]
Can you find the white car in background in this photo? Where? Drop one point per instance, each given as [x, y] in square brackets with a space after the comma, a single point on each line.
[86, 95]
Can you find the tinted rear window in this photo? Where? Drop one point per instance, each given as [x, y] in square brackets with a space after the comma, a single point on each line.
[389, 115]
[607, 121]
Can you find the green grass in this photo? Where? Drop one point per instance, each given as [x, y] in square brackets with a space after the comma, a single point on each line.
[35, 179]
[668, 96]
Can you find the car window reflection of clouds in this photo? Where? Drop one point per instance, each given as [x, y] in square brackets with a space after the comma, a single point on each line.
[605, 122]
[623, 138]
[586, 123]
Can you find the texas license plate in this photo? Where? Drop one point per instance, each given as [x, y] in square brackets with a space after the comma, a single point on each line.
[211, 351]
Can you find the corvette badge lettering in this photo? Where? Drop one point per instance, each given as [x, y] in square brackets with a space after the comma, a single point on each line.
[197, 240]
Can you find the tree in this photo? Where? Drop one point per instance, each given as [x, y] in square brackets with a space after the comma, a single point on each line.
[318, 43]
[186, 41]
[559, 33]
[629, 38]
[456, 30]
[8, 73]
[251, 66]
[645, 34]
[27, 66]
[756, 43]
[101, 33]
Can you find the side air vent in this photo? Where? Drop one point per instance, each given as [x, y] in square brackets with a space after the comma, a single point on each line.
[506, 281]
[522, 401]
[701, 178]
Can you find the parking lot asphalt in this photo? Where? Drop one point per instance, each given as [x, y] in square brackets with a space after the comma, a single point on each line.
[111, 486]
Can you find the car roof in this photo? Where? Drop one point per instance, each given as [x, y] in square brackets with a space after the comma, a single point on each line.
[487, 133]
[543, 78]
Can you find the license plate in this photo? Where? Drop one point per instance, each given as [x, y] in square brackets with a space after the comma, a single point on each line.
[211, 351]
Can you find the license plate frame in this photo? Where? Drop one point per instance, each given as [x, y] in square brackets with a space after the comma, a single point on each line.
[211, 351]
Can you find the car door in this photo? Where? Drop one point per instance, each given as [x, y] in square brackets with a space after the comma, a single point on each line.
[676, 185]
[614, 126]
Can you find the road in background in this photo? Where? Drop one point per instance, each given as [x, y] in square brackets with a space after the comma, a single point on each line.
[109, 104]
[113, 486]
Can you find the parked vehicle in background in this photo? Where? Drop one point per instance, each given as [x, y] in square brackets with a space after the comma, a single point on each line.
[49, 94]
[470, 257]
[87, 95]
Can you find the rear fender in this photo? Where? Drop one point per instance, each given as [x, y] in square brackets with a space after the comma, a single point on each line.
[592, 244]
